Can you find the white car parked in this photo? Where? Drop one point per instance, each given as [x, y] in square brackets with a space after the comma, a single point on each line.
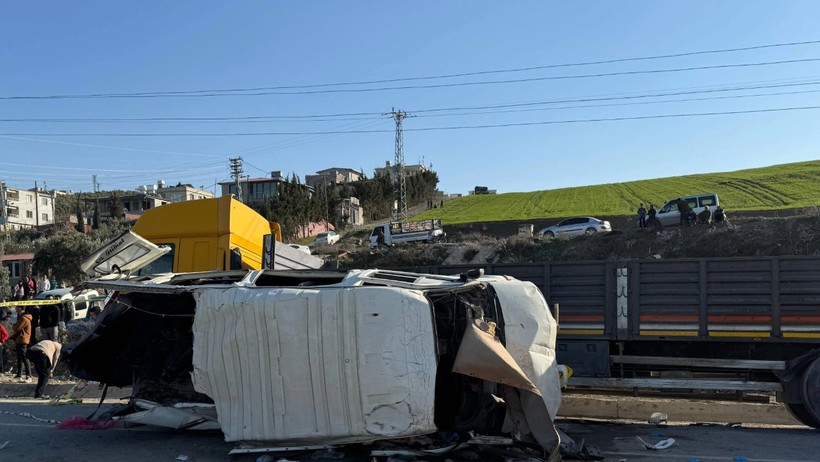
[576, 226]
[302, 248]
[327, 238]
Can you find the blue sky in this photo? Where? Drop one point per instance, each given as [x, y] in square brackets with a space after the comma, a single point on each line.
[97, 47]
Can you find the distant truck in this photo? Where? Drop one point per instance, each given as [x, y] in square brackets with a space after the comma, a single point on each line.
[400, 233]
[200, 235]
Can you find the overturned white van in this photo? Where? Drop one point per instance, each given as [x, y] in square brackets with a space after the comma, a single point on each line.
[299, 358]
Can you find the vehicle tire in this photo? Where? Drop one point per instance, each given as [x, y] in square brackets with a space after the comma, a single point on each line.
[654, 223]
[801, 414]
[548, 234]
[590, 231]
[811, 393]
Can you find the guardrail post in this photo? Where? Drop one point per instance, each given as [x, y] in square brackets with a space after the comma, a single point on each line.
[703, 319]
[776, 298]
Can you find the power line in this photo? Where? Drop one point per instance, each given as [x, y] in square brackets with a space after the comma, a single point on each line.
[432, 112]
[116, 148]
[635, 103]
[623, 97]
[220, 93]
[436, 77]
[425, 129]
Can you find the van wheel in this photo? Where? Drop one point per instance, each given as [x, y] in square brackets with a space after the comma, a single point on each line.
[549, 234]
[590, 231]
[654, 223]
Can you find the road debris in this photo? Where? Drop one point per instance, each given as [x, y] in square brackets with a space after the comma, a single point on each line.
[660, 445]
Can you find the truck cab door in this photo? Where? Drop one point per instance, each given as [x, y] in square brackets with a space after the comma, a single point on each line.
[126, 253]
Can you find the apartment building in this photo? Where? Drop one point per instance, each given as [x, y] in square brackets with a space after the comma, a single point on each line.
[25, 208]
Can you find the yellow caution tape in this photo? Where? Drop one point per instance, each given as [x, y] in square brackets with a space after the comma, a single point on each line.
[31, 302]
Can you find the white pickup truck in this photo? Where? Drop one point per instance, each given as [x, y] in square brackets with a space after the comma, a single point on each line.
[412, 231]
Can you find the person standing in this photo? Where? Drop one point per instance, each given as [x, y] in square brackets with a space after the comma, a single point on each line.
[4, 335]
[49, 320]
[34, 311]
[641, 216]
[43, 284]
[28, 288]
[705, 217]
[720, 216]
[21, 334]
[44, 356]
[684, 210]
[19, 291]
[380, 237]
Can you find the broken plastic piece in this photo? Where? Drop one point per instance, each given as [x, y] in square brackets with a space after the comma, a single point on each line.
[182, 457]
[739, 459]
[658, 418]
[660, 445]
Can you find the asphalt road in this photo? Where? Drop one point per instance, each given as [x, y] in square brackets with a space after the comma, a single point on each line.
[36, 440]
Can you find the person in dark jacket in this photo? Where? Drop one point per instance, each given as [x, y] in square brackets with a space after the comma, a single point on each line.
[34, 311]
[720, 216]
[641, 216]
[684, 209]
[49, 320]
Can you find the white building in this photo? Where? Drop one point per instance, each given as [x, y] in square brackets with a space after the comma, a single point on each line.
[391, 170]
[25, 208]
[181, 192]
[333, 176]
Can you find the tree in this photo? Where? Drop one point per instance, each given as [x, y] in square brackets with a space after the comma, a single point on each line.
[97, 215]
[5, 289]
[117, 208]
[63, 208]
[80, 211]
[62, 254]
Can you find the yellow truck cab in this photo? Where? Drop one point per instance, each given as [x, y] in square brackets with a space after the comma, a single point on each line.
[205, 235]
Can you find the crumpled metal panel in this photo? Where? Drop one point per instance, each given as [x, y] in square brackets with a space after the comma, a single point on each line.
[300, 365]
[530, 332]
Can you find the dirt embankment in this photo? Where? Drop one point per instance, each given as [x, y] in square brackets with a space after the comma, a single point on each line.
[745, 236]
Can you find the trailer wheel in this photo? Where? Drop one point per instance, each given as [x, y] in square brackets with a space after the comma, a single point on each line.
[799, 412]
[811, 393]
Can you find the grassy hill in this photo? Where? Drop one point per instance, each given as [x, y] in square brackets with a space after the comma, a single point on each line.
[768, 188]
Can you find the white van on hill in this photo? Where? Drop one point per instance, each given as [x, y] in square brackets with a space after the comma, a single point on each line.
[668, 214]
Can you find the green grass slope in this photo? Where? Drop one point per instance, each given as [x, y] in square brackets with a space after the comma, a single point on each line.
[769, 188]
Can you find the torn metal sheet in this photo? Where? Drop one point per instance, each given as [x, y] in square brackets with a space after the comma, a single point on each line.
[171, 417]
[530, 332]
[367, 363]
[253, 449]
[482, 355]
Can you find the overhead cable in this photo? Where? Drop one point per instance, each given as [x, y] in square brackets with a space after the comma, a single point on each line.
[249, 92]
[424, 129]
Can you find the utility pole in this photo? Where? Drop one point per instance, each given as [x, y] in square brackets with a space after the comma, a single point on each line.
[36, 205]
[399, 184]
[96, 223]
[236, 173]
[96, 203]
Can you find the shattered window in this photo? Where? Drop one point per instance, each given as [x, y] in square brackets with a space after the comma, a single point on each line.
[164, 264]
